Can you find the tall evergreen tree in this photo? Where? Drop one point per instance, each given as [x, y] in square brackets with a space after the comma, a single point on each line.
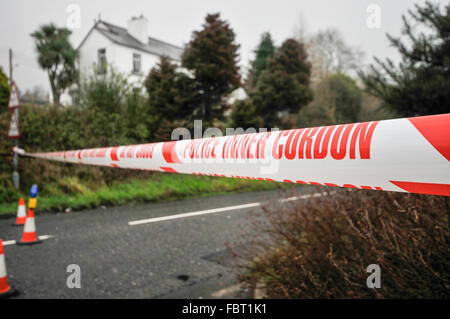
[57, 56]
[420, 84]
[264, 51]
[212, 57]
[173, 95]
[284, 87]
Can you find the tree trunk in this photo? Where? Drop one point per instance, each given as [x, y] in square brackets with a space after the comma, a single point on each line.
[55, 92]
[56, 98]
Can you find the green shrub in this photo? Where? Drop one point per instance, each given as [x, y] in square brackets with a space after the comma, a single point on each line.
[4, 91]
[244, 115]
[104, 91]
[337, 100]
[8, 194]
[110, 114]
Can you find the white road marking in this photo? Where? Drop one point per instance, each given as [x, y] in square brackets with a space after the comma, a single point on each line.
[44, 237]
[226, 291]
[9, 242]
[290, 199]
[13, 242]
[218, 210]
[184, 215]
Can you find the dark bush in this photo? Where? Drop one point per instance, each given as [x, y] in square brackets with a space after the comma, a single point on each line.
[7, 192]
[4, 91]
[321, 247]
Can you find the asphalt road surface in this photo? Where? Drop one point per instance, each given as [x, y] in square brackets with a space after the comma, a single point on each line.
[159, 250]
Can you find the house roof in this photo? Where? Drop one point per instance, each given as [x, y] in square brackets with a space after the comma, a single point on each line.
[121, 36]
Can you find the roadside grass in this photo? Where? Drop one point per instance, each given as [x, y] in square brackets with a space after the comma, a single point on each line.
[159, 187]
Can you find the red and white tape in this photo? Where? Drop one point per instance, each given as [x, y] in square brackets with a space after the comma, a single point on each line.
[405, 155]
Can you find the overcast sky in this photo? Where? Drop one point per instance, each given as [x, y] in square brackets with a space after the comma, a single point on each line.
[174, 20]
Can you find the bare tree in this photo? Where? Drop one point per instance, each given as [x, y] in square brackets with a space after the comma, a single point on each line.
[301, 29]
[328, 54]
[36, 95]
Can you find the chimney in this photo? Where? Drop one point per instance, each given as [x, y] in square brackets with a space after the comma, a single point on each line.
[137, 28]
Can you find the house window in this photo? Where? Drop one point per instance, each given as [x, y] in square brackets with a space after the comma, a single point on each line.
[101, 61]
[136, 63]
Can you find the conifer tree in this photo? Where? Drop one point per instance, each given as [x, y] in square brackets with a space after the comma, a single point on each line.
[264, 51]
[173, 95]
[284, 87]
[420, 84]
[212, 56]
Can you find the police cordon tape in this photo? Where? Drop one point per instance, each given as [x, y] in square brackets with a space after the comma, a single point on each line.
[404, 155]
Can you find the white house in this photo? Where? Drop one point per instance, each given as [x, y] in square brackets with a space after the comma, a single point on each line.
[129, 50]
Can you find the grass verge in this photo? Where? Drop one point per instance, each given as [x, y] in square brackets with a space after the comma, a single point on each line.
[160, 187]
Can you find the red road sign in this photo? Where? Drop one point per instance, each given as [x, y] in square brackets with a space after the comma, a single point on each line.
[14, 101]
[13, 131]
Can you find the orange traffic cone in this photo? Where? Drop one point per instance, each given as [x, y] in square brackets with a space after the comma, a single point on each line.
[29, 230]
[21, 213]
[5, 289]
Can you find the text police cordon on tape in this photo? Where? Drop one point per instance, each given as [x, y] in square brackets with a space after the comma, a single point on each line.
[405, 155]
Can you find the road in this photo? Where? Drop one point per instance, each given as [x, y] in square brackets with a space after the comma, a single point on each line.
[151, 257]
